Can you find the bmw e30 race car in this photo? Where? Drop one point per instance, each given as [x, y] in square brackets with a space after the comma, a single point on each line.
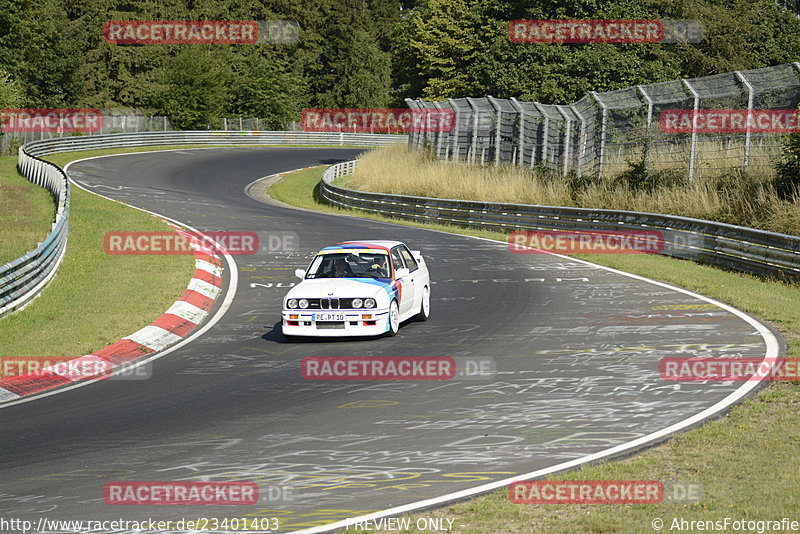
[358, 288]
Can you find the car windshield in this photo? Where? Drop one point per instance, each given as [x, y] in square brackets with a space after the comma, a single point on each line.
[355, 264]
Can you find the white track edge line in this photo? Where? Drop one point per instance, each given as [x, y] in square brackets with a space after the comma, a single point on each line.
[226, 302]
[772, 346]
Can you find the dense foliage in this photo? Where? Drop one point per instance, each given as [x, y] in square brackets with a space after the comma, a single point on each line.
[360, 53]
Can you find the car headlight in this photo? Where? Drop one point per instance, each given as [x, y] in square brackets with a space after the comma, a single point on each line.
[291, 303]
[357, 303]
[369, 303]
[303, 303]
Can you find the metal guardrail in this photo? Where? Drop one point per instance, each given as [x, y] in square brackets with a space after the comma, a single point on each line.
[210, 138]
[735, 247]
[24, 278]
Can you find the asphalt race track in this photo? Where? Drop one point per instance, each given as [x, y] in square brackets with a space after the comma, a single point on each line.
[576, 349]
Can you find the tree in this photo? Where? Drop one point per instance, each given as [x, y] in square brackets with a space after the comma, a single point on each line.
[194, 90]
[364, 74]
[355, 48]
[11, 95]
[788, 180]
[266, 87]
[39, 49]
[458, 48]
[438, 47]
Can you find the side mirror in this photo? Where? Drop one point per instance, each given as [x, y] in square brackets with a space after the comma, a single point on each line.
[401, 273]
[300, 273]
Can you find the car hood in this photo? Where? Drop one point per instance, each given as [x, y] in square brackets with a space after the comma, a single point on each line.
[339, 288]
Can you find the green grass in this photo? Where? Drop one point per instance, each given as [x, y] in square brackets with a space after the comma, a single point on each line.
[744, 460]
[26, 212]
[301, 191]
[96, 298]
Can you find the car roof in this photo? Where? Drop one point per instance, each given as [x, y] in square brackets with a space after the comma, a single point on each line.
[374, 244]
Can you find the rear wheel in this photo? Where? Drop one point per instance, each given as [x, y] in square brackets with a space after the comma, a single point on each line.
[394, 319]
[425, 306]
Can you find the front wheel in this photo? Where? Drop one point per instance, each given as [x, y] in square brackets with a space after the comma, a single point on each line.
[425, 306]
[394, 319]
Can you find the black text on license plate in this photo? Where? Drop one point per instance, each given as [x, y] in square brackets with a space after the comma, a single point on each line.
[329, 317]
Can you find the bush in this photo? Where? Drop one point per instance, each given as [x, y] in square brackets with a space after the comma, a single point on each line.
[788, 180]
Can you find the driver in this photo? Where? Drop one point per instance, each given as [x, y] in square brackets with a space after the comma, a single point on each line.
[341, 269]
[379, 266]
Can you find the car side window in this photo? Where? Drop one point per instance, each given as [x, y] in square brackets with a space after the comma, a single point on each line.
[411, 263]
[397, 261]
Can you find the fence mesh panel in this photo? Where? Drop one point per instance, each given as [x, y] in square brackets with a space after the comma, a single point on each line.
[605, 134]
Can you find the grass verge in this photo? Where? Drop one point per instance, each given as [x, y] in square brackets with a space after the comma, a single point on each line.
[26, 212]
[750, 199]
[95, 298]
[742, 460]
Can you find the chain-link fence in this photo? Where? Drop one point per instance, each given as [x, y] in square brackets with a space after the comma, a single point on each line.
[608, 133]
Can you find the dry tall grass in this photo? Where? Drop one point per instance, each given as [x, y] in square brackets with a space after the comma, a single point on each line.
[714, 156]
[732, 197]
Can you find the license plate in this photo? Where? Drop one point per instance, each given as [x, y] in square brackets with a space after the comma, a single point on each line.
[329, 317]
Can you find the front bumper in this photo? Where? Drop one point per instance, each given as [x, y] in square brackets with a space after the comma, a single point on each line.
[304, 323]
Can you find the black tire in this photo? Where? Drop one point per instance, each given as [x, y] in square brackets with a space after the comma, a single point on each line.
[394, 326]
[424, 306]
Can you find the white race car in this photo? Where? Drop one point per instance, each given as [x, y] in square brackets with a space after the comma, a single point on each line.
[358, 288]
